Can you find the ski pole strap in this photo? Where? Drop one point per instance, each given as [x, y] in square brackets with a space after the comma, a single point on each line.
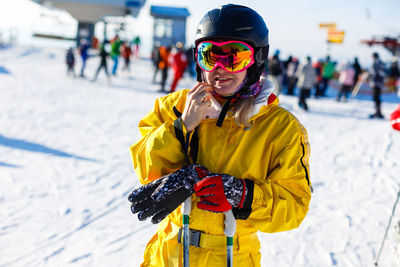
[194, 141]
[203, 240]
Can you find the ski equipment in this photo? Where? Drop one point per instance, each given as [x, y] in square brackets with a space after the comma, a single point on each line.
[229, 231]
[220, 192]
[387, 228]
[162, 196]
[186, 209]
[232, 56]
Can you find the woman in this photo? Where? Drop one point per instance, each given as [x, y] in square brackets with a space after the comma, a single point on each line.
[251, 154]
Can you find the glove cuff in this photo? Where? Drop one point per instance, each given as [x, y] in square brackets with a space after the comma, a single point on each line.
[243, 211]
[243, 194]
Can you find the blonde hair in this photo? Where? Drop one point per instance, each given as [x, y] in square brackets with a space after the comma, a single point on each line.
[243, 110]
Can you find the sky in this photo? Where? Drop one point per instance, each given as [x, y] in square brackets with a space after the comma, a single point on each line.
[293, 24]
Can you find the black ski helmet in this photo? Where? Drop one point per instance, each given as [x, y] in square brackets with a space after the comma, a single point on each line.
[238, 23]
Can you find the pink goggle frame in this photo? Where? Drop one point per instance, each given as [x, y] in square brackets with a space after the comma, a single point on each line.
[232, 56]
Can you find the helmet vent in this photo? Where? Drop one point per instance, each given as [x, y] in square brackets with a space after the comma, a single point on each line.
[247, 29]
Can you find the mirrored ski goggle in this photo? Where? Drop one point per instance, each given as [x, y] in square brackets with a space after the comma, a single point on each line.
[232, 56]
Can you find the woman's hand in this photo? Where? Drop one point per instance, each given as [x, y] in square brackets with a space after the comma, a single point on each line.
[197, 102]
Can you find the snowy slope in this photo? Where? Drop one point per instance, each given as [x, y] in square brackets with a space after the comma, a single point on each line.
[65, 171]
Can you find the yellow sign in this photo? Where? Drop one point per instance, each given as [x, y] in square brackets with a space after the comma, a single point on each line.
[328, 25]
[335, 36]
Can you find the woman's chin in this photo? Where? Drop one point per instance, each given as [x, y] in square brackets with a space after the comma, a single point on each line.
[223, 90]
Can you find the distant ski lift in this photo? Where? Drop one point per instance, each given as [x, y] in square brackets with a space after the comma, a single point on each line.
[392, 44]
[88, 12]
[92, 11]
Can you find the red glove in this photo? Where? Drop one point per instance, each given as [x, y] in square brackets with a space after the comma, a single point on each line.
[220, 192]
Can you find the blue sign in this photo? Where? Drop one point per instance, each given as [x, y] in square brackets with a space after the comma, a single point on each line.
[136, 4]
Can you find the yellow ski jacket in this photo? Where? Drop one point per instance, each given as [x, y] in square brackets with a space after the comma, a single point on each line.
[273, 152]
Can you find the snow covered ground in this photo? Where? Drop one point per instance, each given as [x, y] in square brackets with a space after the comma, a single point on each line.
[66, 171]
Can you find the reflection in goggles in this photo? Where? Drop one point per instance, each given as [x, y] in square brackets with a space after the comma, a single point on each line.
[232, 56]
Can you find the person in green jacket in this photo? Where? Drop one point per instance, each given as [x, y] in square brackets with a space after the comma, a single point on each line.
[328, 70]
[115, 52]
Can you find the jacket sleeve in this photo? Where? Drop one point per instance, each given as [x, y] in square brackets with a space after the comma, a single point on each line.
[281, 201]
[158, 152]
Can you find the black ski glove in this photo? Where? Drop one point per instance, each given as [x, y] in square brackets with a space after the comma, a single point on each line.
[162, 196]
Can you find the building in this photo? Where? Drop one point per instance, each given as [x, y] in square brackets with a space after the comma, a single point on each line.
[169, 24]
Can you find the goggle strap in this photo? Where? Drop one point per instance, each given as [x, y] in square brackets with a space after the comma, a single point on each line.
[222, 115]
[231, 100]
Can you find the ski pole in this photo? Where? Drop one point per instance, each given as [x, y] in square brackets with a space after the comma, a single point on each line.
[387, 228]
[230, 229]
[186, 208]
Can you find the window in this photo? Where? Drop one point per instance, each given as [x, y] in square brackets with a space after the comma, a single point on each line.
[163, 28]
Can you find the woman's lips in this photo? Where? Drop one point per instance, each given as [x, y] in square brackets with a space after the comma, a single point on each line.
[222, 79]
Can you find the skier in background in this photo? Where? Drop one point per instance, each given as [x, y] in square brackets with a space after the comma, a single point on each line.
[191, 68]
[377, 78]
[115, 52]
[84, 53]
[328, 70]
[226, 144]
[357, 71]
[291, 69]
[393, 75]
[70, 60]
[126, 53]
[155, 57]
[318, 66]
[136, 45]
[275, 72]
[306, 80]
[103, 62]
[179, 63]
[164, 65]
[346, 80]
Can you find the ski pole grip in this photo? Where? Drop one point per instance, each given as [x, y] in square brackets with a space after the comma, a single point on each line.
[187, 206]
[230, 224]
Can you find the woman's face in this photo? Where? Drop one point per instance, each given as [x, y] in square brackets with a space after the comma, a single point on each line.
[223, 82]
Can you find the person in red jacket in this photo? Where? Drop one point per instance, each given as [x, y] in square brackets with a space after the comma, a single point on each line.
[126, 53]
[179, 63]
